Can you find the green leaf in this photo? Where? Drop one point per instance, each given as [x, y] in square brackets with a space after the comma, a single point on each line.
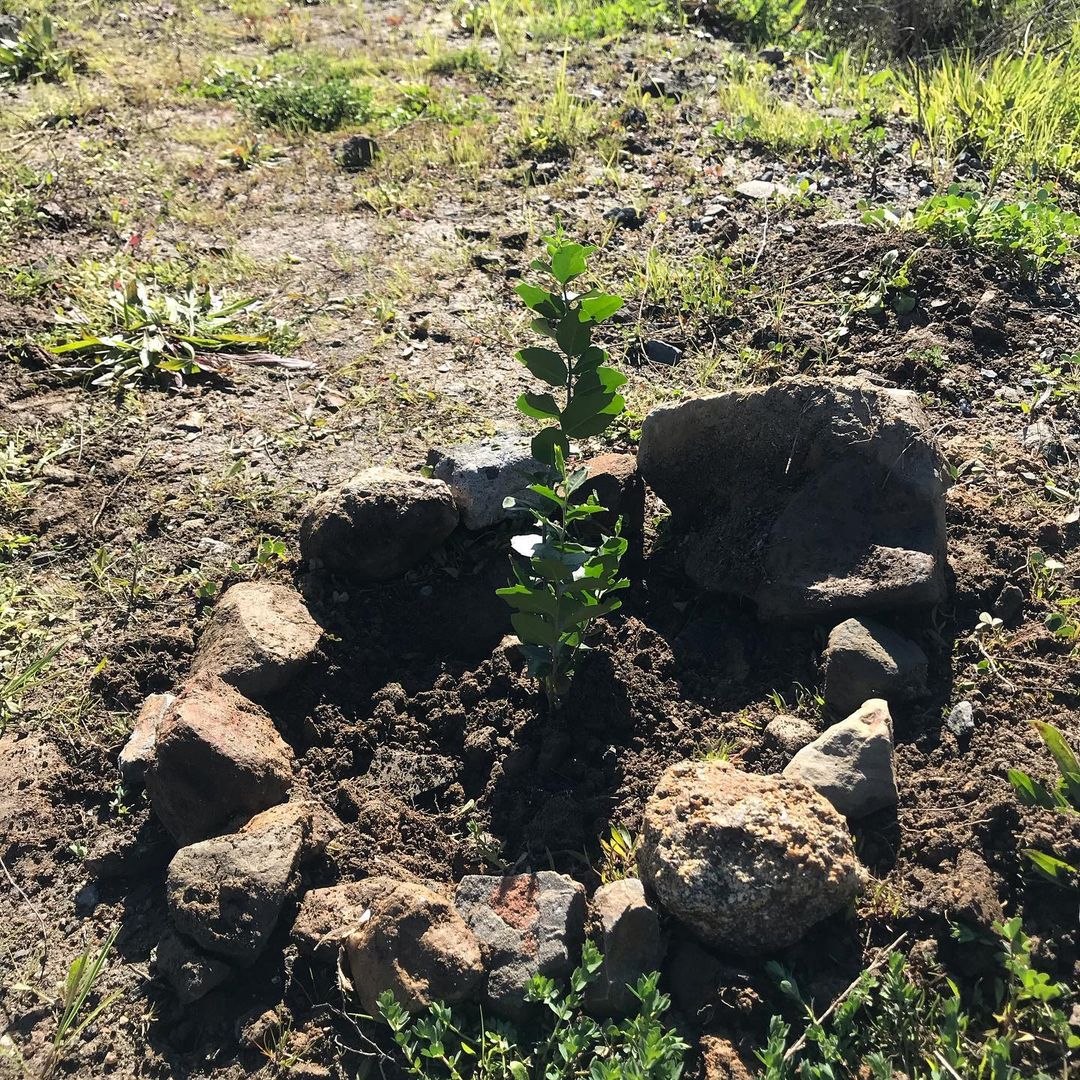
[574, 336]
[601, 306]
[1029, 791]
[544, 364]
[590, 413]
[1049, 866]
[533, 295]
[603, 378]
[541, 406]
[545, 441]
[568, 261]
[534, 629]
[524, 598]
[1060, 749]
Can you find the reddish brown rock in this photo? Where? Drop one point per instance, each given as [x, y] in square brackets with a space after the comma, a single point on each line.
[416, 946]
[218, 758]
[260, 638]
[618, 486]
[328, 916]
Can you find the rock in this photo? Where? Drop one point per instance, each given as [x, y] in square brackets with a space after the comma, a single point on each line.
[482, 474]
[749, 863]
[357, 152]
[615, 480]
[1009, 604]
[417, 946]
[260, 638]
[218, 757]
[191, 974]
[627, 217]
[378, 524]
[526, 924]
[721, 1060]
[762, 189]
[227, 893]
[789, 733]
[660, 352]
[410, 775]
[961, 720]
[328, 916]
[837, 480]
[628, 934]
[139, 748]
[864, 660]
[851, 763]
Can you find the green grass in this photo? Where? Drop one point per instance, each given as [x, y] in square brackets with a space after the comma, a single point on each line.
[1018, 111]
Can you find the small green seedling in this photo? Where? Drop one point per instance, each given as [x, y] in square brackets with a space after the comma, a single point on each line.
[562, 583]
[1064, 795]
[33, 53]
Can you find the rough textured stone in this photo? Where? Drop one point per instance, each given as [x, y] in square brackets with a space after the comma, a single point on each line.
[260, 638]
[482, 474]
[749, 863]
[218, 758]
[526, 923]
[139, 748]
[851, 763]
[227, 893]
[961, 720]
[618, 486]
[721, 1060]
[192, 974]
[378, 524]
[328, 916]
[628, 934]
[864, 660]
[417, 946]
[762, 189]
[789, 733]
[808, 496]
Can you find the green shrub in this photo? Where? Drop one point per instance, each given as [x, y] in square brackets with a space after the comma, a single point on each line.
[891, 1025]
[33, 53]
[310, 97]
[1026, 237]
[562, 583]
[563, 1044]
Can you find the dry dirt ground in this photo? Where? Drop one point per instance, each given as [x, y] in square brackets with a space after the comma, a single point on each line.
[121, 514]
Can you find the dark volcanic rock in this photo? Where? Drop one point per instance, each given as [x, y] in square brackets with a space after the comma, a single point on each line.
[810, 496]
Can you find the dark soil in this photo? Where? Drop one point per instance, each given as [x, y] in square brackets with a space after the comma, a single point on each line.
[417, 728]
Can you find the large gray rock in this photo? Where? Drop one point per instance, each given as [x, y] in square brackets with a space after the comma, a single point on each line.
[226, 894]
[809, 496]
[217, 757]
[864, 660]
[259, 639]
[378, 524]
[851, 763]
[628, 934]
[527, 924]
[415, 945]
[749, 863]
[482, 474]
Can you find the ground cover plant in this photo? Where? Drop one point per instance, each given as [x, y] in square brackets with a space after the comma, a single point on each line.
[568, 1043]
[360, 194]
